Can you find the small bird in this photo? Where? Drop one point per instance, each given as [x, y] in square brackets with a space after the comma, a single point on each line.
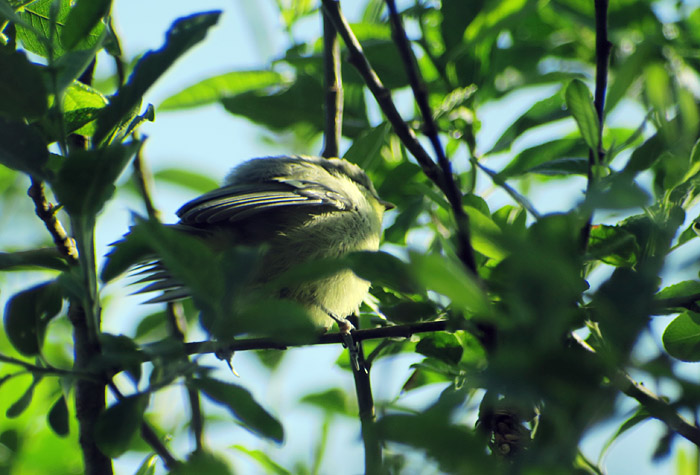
[300, 208]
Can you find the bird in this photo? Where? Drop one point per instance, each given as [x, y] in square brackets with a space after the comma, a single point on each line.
[299, 209]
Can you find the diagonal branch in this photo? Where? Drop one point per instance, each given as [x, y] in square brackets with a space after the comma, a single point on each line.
[47, 213]
[420, 93]
[356, 57]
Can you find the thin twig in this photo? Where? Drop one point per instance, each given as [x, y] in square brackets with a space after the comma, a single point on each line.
[333, 114]
[47, 213]
[520, 199]
[47, 371]
[382, 95]
[657, 407]
[142, 176]
[175, 322]
[149, 435]
[465, 251]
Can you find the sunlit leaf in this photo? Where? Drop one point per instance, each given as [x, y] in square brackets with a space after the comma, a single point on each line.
[682, 337]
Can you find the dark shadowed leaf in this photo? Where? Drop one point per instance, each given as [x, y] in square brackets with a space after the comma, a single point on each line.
[22, 90]
[22, 148]
[21, 404]
[86, 179]
[204, 463]
[27, 313]
[540, 156]
[242, 405]
[47, 258]
[409, 311]
[443, 346]
[613, 245]
[183, 34]
[383, 269]
[117, 426]
[58, 417]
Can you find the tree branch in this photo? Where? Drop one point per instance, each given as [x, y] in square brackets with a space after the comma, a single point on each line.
[47, 213]
[396, 331]
[356, 57]
[89, 395]
[334, 90]
[420, 93]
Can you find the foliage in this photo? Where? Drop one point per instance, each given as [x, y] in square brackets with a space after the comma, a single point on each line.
[536, 335]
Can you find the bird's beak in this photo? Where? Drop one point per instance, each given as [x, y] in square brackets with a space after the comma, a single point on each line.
[387, 205]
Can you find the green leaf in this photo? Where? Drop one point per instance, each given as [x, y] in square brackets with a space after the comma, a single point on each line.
[265, 461]
[38, 39]
[456, 448]
[640, 415]
[204, 463]
[20, 405]
[365, 149]
[484, 234]
[119, 424]
[85, 16]
[216, 88]
[646, 155]
[184, 33]
[682, 337]
[332, 400]
[446, 277]
[242, 405]
[542, 112]
[27, 313]
[22, 148]
[383, 269]
[58, 417]
[82, 105]
[618, 191]
[580, 103]
[120, 352]
[538, 157]
[22, 90]
[613, 245]
[443, 346]
[186, 179]
[408, 311]
[47, 258]
[86, 179]
[683, 289]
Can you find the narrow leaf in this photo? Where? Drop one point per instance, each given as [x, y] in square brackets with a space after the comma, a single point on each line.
[580, 103]
[215, 88]
[183, 34]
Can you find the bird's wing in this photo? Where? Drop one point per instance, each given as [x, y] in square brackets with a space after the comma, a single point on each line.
[234, 203]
